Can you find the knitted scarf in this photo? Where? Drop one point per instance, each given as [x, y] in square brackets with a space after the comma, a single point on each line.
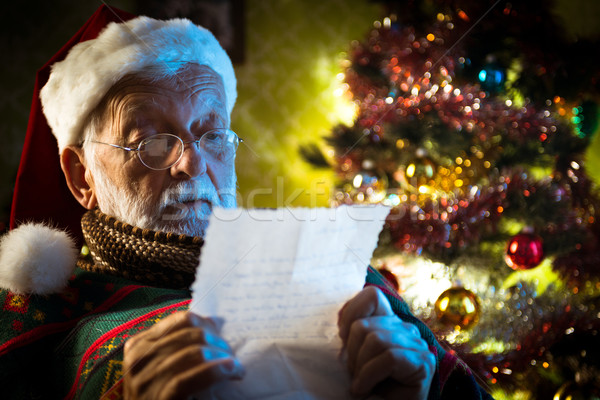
[154, 258]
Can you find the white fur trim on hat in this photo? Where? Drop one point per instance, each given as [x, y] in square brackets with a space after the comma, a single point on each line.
[78, 83]
[35, 258]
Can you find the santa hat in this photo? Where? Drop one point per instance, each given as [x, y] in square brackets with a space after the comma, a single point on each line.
[78, 83]
[112, 43]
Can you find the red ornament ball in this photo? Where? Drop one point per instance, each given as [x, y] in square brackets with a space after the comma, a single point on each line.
[524, 251]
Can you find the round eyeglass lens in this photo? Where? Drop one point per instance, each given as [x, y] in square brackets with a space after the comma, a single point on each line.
[220, 143]
[160, 151]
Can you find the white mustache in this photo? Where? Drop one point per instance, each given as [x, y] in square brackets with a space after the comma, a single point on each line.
[189, 191]
[173, 207]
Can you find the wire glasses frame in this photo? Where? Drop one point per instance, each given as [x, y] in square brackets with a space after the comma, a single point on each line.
[163, 150]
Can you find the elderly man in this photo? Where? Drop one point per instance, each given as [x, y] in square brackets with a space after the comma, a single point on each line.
[141, 115]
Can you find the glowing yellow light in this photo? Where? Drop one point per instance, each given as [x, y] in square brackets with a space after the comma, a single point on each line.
[545, 364]
[387, 22]
[357, 181]
[444, 303]
[410, 170]
[440, 17]
[389, 100]
[468, 305]
[400, 143]
[458, 170]
[431, 37]
[487, 164]
[458, 183]
[495, 370]
[508, 102]
[459, 160]
[342, 109]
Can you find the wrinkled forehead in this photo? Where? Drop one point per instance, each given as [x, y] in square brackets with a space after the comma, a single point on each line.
[142, 92]
[189, 81]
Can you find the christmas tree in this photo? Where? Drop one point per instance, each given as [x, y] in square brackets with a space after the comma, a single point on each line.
[473, 122]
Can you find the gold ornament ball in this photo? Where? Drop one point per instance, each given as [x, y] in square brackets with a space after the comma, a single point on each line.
[458, 307]
[420, 171]
[573, 391]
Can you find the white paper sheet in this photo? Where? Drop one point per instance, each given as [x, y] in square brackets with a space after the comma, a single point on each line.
[278, 279]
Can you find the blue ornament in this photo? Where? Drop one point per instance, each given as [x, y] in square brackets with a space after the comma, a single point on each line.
[492, 78]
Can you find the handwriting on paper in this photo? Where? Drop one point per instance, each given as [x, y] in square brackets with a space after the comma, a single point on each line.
[278, 279]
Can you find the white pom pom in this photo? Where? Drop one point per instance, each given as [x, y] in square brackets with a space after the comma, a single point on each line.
[35, 258]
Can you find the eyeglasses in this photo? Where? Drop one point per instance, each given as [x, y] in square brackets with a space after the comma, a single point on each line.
[163, 150]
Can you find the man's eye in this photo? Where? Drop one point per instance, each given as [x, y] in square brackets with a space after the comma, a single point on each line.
[215, 139]
[158, 146]
[211, 136]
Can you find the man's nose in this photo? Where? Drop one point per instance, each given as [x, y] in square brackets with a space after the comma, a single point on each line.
[192, 162]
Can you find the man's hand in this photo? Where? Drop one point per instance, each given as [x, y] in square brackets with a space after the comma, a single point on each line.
[176, 358]
[385, 355]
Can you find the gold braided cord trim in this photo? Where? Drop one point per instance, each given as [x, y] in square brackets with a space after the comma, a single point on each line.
[150, 257]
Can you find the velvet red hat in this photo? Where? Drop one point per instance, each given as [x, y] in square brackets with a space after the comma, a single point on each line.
[41, 193]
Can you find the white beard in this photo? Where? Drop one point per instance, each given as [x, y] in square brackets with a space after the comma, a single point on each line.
[174, 211]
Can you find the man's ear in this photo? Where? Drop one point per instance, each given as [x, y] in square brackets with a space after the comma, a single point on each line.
[78, 177]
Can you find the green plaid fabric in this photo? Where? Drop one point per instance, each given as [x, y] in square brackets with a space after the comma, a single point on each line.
[70, 345]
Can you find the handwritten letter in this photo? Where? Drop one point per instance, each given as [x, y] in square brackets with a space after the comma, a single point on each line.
[278, 278]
